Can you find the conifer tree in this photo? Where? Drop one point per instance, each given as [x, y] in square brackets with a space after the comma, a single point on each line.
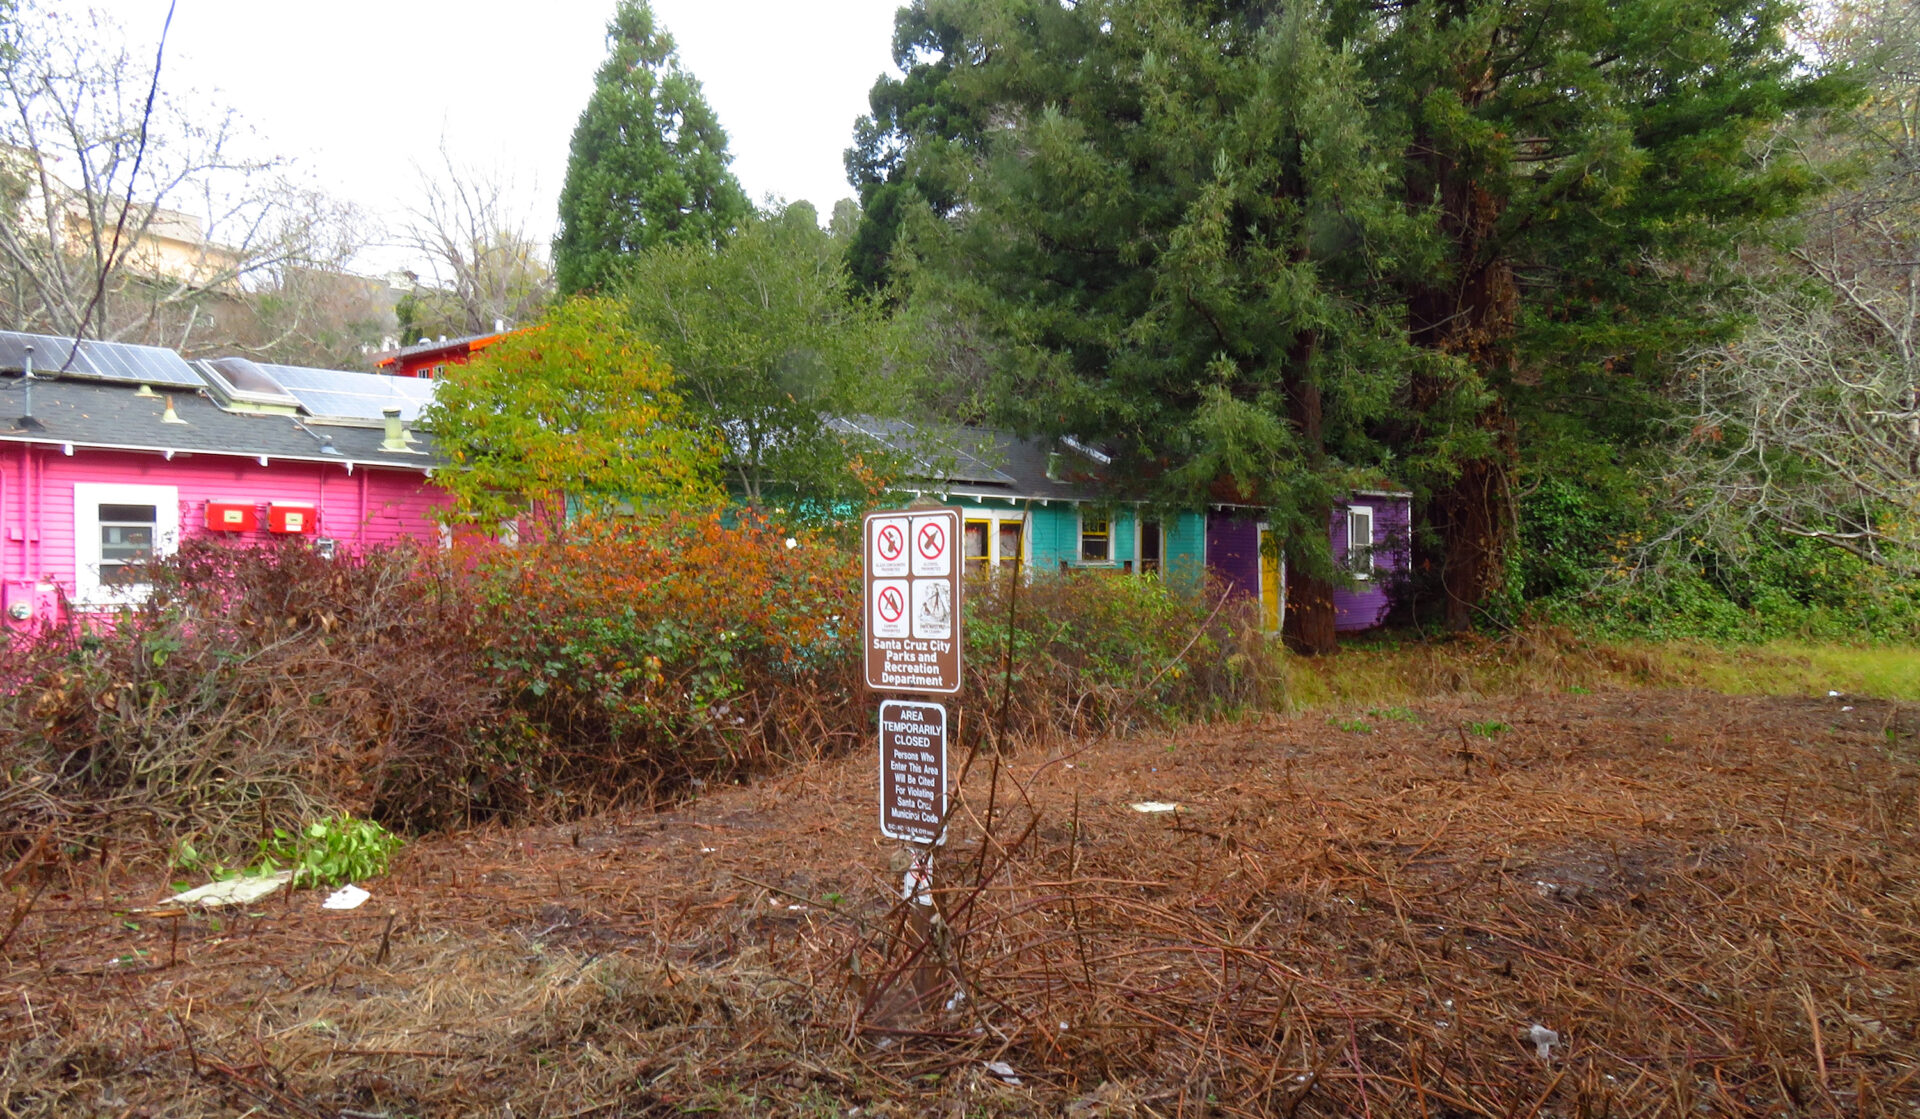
[1172, 215]
[1180, 234]
[649, 160]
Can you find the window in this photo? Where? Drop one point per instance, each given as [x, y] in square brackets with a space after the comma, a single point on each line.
[1149, 547]
[439, 370]
[126, 542]
[975, 545]
[1009, 544]
[1360, 541]
[117, 528]
[1096, 545]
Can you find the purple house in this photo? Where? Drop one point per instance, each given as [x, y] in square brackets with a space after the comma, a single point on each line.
[1370, 535]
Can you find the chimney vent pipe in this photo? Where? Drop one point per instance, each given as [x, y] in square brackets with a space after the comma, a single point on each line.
[397, 438]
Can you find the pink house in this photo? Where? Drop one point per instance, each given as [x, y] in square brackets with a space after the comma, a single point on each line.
[111, 455]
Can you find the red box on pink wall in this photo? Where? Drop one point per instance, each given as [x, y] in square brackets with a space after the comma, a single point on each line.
[232, 516]
[292, 516]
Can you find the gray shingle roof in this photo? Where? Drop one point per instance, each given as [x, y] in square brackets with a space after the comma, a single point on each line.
[115, 416]
[986, 462]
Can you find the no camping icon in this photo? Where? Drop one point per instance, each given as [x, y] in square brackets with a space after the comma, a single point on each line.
[890, 608]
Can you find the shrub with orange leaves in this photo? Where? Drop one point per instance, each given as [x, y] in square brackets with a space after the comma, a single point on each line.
[676, 645]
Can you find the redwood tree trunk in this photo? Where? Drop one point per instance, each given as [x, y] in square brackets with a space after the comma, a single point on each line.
[1471, 316]
[1309, 622]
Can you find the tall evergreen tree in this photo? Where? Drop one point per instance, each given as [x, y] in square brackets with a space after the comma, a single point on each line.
[1182, 232]
[649, 160]
[1560, 169]
[1581, 160]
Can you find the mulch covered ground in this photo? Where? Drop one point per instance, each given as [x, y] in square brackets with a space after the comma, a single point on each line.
[1712, 903]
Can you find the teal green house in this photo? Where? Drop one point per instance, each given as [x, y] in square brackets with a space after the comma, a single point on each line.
[1049, 506]
[1039, 504]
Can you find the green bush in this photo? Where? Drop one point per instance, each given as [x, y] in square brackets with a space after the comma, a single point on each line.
[1099, 652]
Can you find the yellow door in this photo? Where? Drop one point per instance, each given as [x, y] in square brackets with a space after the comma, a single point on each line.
[1273, 583]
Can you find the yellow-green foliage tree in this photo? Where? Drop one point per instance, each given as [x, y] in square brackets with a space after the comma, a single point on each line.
[577, 411]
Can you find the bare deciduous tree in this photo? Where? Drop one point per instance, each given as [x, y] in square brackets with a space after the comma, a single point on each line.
[1809, 423]
[483, 264]
[128, 212]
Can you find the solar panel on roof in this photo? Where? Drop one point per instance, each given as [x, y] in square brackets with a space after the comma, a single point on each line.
[338, 394]
[932, 451]
[49, 353]
[129, 364]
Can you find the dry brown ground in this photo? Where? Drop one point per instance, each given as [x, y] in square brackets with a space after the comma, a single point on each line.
[1712, 900]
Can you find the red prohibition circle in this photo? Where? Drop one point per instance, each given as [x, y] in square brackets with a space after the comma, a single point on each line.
[933, 540]
[890, 542]
[891, 604]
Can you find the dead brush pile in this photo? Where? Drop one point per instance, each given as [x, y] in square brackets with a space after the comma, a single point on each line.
[258, 688]
[255, 688]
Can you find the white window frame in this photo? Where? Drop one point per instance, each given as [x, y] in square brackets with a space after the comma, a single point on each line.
[1359, 571]
[88, 591]
[995, 520]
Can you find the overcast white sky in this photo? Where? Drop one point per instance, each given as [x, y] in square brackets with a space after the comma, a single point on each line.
[358, 91]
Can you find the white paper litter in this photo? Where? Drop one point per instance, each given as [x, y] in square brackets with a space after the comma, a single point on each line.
[233, 891]
[1543, 1040]
[1834, 695]
[1156, 806]
[348, 896]
[1004, 1071]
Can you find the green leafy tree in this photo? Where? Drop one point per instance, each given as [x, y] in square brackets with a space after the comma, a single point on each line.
[578, 412]
[766, 344]
[648, 164]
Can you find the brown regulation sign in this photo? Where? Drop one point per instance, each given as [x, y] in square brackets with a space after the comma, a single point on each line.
[913, 770]
[911, 621]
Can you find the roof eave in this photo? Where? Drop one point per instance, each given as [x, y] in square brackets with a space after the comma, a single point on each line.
[141, 448]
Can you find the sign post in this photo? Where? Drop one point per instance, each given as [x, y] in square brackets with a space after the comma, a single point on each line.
[911, 641]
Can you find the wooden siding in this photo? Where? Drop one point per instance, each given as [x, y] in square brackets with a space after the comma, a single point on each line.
[371, 506]
[1364, 605]
[1233, 555]
[1233, 549]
